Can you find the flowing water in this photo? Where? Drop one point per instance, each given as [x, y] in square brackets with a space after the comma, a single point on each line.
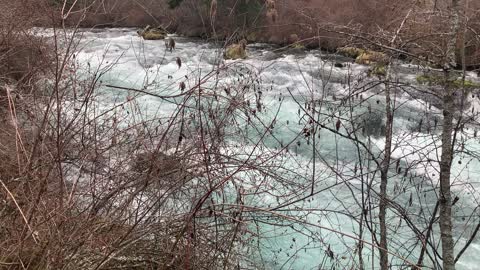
[288, 80]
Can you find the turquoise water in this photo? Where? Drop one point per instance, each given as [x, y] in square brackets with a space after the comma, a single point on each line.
[318, 231]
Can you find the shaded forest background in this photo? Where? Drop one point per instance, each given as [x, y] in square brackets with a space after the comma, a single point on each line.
[314, 22]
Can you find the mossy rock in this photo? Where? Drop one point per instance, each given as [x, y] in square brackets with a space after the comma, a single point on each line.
[236, 51]
[428, 80]
[467, 84]
[352, 52]
[433, 80]
[151, 33]
[362, 56]
[378, 70]
[371, 57]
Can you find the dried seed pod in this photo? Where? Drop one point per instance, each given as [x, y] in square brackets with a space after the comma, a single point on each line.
[455, 200]
[170, 44]
[330, 253]
[337, 125]
[179, 62]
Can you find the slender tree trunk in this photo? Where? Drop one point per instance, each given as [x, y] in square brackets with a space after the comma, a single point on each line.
[447, 149]
[384, 181]
[445, 167]
[387, 157]
[360, 244]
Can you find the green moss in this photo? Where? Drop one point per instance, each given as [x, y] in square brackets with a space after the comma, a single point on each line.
[425, 80]
[379, 70]
[467, 84]
[440, 80]
[297, 46]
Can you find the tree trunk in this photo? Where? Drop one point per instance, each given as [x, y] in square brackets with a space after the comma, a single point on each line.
[384, 177]
[445, 167]
[447, 149]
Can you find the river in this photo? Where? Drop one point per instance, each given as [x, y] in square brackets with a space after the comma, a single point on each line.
[290, 81]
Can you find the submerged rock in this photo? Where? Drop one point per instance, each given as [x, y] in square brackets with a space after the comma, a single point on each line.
[269, 56]
[372, 124]
[152, 33]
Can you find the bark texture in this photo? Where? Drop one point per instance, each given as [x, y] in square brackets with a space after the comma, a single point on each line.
[447, 149]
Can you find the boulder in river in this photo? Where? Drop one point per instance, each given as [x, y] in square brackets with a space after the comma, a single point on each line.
[362, 56]
[236, 51]
[352, 52]
[371, 57]
[152, 33]
[378, 70]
